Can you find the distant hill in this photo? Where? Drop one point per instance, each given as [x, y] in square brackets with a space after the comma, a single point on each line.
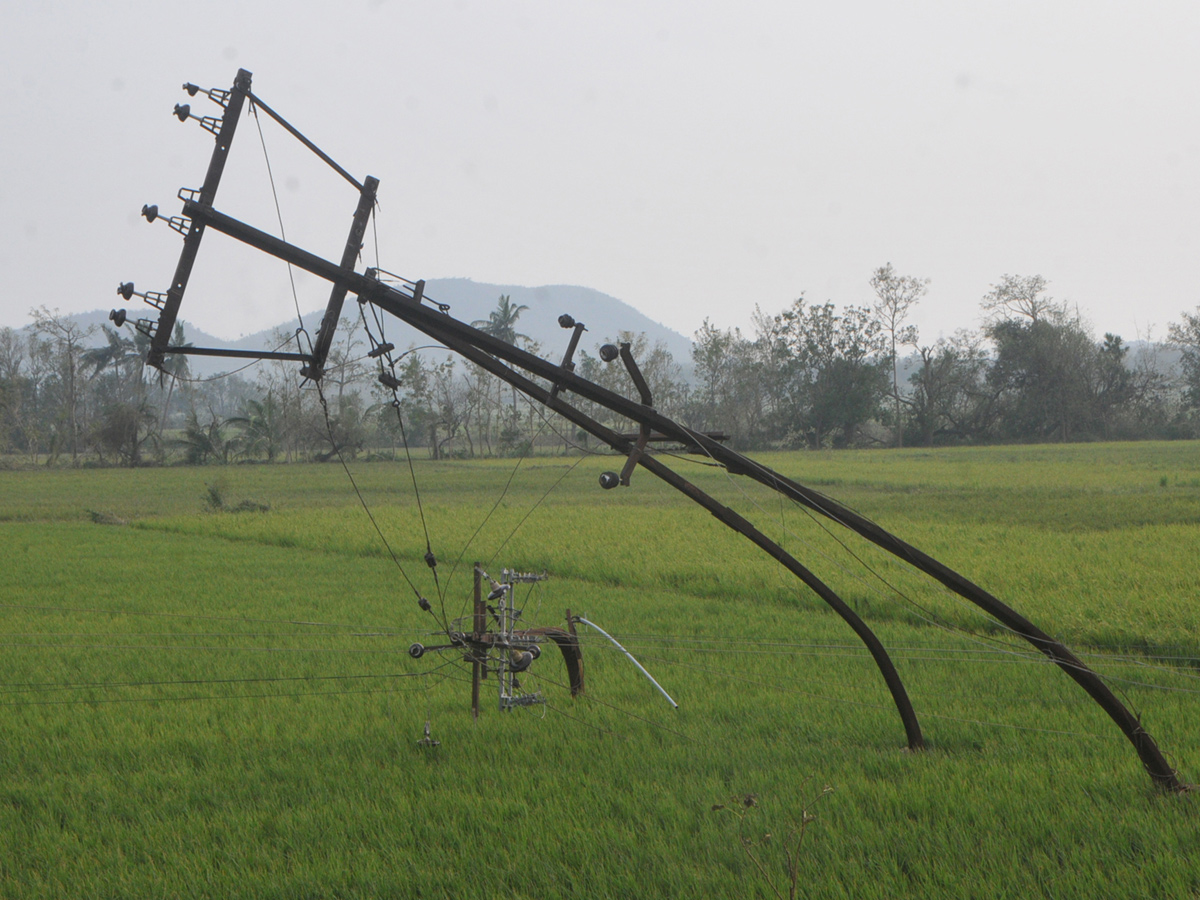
[469, 301]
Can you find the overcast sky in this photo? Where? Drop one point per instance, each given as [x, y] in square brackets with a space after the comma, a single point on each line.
[691, 158]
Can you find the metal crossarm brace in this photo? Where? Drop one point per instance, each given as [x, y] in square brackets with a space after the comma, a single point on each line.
[333, 311]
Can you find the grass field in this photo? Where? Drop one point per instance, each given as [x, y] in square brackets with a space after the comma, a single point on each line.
[214, 704]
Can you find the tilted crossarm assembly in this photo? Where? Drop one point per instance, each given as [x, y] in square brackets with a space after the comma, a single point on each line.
[553, 385]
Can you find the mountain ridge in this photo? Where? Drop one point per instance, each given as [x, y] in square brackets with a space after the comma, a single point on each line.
[470, 301]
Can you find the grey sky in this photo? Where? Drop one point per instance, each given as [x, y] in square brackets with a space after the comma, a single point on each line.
[691, 158]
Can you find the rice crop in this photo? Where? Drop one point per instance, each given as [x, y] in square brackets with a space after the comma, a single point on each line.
[198, 702]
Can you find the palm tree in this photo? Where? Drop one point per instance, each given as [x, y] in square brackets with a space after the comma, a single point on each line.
[502, 321]
[117, 353]
[125, 414]
[262, 427]
[200, 442]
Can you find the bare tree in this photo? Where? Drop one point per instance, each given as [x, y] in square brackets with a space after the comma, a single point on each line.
[17, 395]
[66, 338]
[895, 296]
[1018, 295]
[1185, 337]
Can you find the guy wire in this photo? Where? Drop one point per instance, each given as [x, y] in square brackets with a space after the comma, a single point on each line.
[430, 558]
[503, 493]
[362, 500]
[109, 685]
[278, 211]
[321, 393]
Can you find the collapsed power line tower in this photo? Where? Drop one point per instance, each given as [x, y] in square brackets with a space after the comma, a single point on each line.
[556, 386]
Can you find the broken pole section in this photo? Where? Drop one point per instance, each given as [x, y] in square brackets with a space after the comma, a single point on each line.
[1153, 760]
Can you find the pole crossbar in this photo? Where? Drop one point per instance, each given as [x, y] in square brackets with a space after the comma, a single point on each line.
[240, 354]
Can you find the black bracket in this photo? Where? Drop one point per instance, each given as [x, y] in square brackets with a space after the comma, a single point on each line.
[639, 381]
[567, 365]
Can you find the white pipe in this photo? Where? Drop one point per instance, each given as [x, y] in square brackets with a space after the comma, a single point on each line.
[631, 659]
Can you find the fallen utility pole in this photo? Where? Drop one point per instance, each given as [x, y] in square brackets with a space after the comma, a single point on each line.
[556, 383]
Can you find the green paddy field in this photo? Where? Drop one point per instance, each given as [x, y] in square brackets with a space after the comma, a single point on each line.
[202, 702]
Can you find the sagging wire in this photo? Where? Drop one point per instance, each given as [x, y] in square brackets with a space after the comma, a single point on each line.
[900, 654]
[422, 602]
[923, 613]
[108, 700]
[555, 709]
[540, 412]
[852, 651]
[50, 687]
[487, 517]
[199, 634]
[170, 615]
[933, 619]
[430, 559]
[739, 646]
[279, 212]
[532, 509]
[533, 441]
[380, 349]
[591, 699]
[863, 703]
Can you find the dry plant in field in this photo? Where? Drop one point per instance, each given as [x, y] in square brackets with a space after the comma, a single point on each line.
[742, 809]
[215, 500]
[105, 518]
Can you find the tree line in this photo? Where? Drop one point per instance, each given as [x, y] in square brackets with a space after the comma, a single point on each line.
[809, 376]
[816, 376]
